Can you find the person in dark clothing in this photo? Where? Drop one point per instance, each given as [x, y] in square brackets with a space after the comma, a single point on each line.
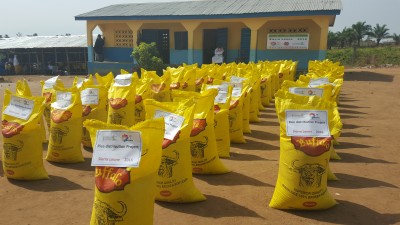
[98, 48]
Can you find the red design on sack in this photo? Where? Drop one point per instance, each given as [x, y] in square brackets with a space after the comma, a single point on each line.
[109, 179]
[9, 129]
[198, 126]
[312, 146]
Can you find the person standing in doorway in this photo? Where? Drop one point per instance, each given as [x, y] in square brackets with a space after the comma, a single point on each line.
[218, 58]
[98, 48]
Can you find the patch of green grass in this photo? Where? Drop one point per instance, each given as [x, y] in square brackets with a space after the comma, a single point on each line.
[365, 56]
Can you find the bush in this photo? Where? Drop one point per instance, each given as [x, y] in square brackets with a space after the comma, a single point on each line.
[146, 56]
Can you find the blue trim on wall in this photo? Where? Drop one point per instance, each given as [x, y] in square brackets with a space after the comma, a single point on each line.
[232, 55]
[90, 54]
[105, 67]
[118, 54]
[303, 56]
[220, 16]
[198, 56]
[178, 56]
[253, 55]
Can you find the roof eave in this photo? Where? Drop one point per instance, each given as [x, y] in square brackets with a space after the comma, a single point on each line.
[220, 16]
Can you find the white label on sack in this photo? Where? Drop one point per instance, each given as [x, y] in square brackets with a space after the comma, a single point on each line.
[90, 96]
[63, 100]
[307, 91]
[117, 148]
[236, 79]
[237, 88]
[49, 83]
[310, 123]
[222, 93]
[173, 123]
[318, 82]
[19, 107]
[123, 80]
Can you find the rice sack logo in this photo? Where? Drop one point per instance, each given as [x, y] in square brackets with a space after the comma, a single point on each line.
[313, 115]
[118, 103]
[126, 137]
[310, 92]
[310, 174]
[107, 215]
[312, 146]
[10, 129]
[86, 110]
[59, 115]
[198, 126]
[167, 164]
[109, 179]
[11, 150]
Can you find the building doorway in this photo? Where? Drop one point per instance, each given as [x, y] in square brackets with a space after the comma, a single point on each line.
[211, 38]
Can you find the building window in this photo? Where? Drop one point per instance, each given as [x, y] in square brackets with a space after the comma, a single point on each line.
[181, 40]
[123, 38]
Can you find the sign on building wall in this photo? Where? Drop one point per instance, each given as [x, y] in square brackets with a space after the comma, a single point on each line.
[287, 41]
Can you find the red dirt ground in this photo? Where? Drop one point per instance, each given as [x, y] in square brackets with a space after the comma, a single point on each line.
[367, 192]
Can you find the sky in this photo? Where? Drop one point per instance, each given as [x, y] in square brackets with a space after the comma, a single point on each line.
[56, 17]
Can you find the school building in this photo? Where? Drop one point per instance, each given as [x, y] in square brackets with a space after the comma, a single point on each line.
[188, 32]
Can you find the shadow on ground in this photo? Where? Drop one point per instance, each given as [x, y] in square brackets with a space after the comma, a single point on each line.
[349, 213]
[213, 207]
[367, 76]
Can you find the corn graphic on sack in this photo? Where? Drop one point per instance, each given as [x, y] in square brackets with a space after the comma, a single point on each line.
[306, 126]
[66, 127]
[121, 101]
[174, 182]
[94, 106]
[22, 141]
[125, 195]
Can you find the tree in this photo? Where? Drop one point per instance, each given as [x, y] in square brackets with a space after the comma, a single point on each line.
[379, 33]
[332, 39]
[361, 29]
[346, 37]
[146, 56]
[396, 38]
[6, 36]
[34, 34]
[19, 34]
[1, 36]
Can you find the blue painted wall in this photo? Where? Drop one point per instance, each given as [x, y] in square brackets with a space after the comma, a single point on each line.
[303, 56]
[118, 54]
[232, 55]
[178, 56]
[105, 67]
[198, 56]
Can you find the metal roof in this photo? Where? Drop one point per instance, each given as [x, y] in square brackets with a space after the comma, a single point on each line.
[73, 41]
[214, 9]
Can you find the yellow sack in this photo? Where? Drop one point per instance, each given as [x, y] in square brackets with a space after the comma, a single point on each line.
[94, 106]
[22, 141]
[236, 113]
[48, 92]
[23, 90]
[189, 80]
[105, 80]
[143, 92]
[66, 127]
[160, 86]
[121, 101]
[265, 87]
[79, 81]
[221, 118]
[304, 160]
[174, 182]
[246, 110]
[203, 145]
[125, 195]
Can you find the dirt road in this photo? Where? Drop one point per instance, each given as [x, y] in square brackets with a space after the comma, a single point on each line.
[367, 192]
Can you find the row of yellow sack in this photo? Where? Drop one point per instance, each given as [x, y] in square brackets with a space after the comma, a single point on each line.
[304, 159]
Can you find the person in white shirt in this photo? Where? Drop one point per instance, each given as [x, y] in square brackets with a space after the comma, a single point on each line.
[218, 57]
